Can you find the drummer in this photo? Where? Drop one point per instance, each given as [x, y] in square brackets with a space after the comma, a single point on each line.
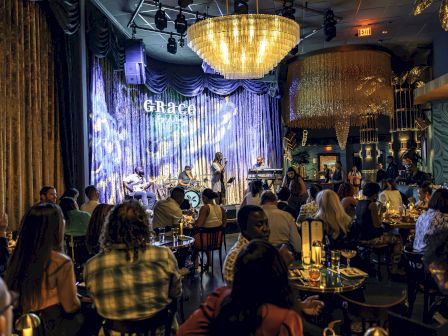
[185, 178]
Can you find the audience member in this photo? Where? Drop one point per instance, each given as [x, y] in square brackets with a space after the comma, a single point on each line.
[424, 195]
[346, 194]
[253, 224]
[210, 215]
[391, 194]
[253, 196]
[283, 197]
[72, 193]
[260, 302]
[335, 219]
[168, 212]
[309, 209]
[8, 301]
[436, 259]
[41, 274]
[130, 279]
[282, 225]
[381, 174]
[339, 176]
[48, 194]
[392, 168]
[4, 250]
[369, 225]
[433, 221]
[294, 182]
[355, 178]
[95, 227]
[93, 195]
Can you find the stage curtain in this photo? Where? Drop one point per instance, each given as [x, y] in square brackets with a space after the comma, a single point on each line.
[29, 132]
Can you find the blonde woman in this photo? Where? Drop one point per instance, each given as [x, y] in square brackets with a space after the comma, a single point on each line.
[335, 219]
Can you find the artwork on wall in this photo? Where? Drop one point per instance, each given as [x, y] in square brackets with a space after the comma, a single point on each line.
[329, 160]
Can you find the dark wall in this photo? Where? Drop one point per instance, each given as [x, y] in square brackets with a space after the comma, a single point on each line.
[440, 54]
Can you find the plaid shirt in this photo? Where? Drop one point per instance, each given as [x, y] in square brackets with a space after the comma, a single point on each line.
[308, 210]
[138, 289]
[229, 263]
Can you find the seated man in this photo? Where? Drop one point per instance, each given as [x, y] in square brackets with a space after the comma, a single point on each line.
[282, 225]
[136, 186]
[130, 279]
[48, 194]
[168, 212]
[185, 178]
[93, 195]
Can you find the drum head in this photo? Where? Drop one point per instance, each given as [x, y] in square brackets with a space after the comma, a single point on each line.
[193, 197]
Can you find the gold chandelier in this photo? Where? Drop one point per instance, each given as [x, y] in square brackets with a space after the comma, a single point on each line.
[245, 46]
[421, 5]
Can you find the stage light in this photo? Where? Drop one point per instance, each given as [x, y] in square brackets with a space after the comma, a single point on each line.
[171, 47]
[180, 23]
[184, 3]
[161, 19]
[329, 25]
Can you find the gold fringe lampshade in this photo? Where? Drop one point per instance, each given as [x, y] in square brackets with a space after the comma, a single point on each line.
[245, 46]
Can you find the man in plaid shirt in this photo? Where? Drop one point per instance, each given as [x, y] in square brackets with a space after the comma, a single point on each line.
[130, 279]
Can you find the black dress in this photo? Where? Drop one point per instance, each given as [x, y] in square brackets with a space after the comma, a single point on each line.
[364, 223]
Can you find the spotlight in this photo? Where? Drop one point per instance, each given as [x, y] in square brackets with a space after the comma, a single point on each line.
[160, 19]
[180, 23]
[171, 47]
[184, 3]
[182, 42]
[329, 25]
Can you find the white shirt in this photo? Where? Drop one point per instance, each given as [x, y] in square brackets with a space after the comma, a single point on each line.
[393, 196]
[89, 206]
[135, 181]
[251, 200]
[283, 227]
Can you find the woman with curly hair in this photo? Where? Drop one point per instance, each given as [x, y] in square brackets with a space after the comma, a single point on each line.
[130, 279]
[95, 226]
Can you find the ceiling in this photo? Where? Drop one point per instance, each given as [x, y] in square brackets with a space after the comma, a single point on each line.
[392, 23]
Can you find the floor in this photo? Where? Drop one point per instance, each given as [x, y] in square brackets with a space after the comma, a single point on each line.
[376, 291]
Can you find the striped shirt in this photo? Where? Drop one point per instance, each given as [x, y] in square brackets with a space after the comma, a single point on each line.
[124, 290]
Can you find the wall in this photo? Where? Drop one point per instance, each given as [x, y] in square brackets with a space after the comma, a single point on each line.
[440, 54]
[440, 141]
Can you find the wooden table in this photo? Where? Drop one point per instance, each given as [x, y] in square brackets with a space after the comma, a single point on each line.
[331, 282]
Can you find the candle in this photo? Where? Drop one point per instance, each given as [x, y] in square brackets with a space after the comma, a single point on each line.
[27, 332]
[181, 229]
[387, 205]
[316, 252]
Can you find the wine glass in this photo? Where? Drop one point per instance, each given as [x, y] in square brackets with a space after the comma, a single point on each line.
[348, 254]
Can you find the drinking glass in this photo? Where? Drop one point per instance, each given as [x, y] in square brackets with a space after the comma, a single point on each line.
[348, 254]
[152, 239]
[175, 234]
[306, 262]
[314, 274]
[162, 235]
[335, 259]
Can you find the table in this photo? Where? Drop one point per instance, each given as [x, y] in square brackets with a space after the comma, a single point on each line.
[331, 281]
[182, 243]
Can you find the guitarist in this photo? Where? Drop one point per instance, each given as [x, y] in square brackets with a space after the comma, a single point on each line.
[136, 186]
[218, 184]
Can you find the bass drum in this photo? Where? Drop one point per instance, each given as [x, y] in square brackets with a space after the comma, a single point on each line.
[193, 197]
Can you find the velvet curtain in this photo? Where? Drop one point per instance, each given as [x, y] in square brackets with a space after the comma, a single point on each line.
[29, 133]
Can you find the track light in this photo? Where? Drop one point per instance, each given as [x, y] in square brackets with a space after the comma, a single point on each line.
[180, 23]
[171, 47]
[160, 19]
[184, 3]
[329, 25]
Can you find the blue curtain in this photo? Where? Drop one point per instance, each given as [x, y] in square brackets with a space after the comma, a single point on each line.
[241, 125]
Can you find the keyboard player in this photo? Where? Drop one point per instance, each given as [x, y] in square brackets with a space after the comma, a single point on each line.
[260, 164]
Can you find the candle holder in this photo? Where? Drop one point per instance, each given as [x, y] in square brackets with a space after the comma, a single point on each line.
[316, 253]
[26, 323]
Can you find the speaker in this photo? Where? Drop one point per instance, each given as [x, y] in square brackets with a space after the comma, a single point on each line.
[135, 62]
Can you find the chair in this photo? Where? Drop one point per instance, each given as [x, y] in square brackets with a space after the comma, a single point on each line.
[401, 325]
[146, 327]
[210, 240]
[374, 314]
[378, 255]
[419, 280]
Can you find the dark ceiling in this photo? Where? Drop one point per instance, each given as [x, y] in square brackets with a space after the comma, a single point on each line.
[392, 23]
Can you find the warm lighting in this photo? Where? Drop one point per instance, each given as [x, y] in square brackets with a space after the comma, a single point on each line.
[245, 46]
[443, 15]
[316, 253]
[181, 229]
[26, 323]
[342, 128]
[328, 148]
[364, 31]
[421, 5]
[368, 153]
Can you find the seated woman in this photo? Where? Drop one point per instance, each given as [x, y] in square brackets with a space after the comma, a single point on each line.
[253, 196]
[369, 225]
[42, 274]
[391, 194]
[260, 302]
[433, 221]
[309, 209]
[335, 219]
[210, 215]
[424, 195]
[346, 194]
[95, 226]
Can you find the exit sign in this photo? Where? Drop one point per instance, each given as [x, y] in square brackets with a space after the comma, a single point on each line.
[364, 31]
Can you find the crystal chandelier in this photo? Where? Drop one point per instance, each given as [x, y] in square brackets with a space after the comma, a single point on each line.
[342, 128]
[245, 46]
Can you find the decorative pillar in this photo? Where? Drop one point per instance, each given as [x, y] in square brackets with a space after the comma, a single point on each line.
[369, 147]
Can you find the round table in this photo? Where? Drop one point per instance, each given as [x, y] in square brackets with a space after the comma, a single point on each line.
[331, 281]
[399, 223]
[182, 243]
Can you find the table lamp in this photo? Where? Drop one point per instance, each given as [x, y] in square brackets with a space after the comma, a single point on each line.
[26, 323]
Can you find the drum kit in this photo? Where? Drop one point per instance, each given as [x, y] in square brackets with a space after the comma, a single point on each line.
[192, 192]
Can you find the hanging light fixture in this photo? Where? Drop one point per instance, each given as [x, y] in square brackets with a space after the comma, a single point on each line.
[244, 46]
[421, 5]
[342, 128]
